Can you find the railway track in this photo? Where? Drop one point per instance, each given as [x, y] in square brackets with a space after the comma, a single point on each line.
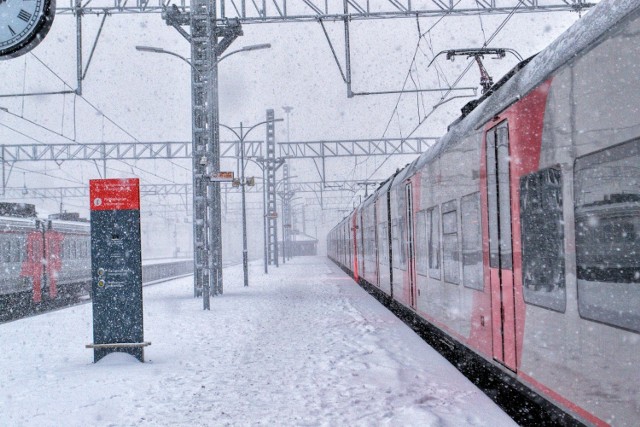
[16, 308]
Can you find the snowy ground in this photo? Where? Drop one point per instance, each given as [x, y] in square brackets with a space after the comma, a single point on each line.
[301, 346]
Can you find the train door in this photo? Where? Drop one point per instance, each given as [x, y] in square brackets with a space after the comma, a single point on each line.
[500, 245]
[410, 246]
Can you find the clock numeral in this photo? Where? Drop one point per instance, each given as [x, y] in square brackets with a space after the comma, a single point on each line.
[13, 33]
[24, 15]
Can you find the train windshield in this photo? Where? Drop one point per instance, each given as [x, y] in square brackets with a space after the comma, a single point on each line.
[607, 194]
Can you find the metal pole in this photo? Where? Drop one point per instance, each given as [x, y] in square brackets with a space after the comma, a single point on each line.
[216, 207]
[264, 218]
[201, 96]
[79, 45]
[284, 219]
[4, 173]
[245, 261]
[347, 49]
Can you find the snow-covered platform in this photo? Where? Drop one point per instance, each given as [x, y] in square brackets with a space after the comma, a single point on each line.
[302, 345]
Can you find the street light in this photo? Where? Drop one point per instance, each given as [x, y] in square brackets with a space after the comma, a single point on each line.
[152, 49]
[287, 111]
[241, 136]
[207, 258]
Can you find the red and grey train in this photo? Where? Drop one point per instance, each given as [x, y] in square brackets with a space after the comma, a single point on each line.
[517, 235]
[46, 259]
[40, 259]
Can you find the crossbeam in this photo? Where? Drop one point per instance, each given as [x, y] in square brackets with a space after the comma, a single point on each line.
[174, 190]
[117, 151]
[278, 11]
[228, 149]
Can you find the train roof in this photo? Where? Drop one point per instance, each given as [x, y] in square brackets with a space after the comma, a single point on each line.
[10, 224]
[579, 37]
[80, 227]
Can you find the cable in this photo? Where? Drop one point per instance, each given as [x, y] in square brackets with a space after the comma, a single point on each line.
[95, 108]
[455, 83]
[395, 108]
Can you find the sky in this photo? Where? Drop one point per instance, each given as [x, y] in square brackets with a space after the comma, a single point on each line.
[146, 97]
[302, 345]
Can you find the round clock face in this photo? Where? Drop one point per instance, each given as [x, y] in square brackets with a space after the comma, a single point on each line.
[23, 24]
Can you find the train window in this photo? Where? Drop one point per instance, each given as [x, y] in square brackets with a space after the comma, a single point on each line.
[433, 230]
[498, 197]
[382, 243]
[6, 250]
[23, 249]
[375, 245]
[402, 225]
[421, 244]
[471, 242]
[542, 226]
[607, 221]
[16, 250]
[395, 243]
[450, 249]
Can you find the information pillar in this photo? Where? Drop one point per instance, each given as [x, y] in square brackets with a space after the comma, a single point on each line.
[116, 268]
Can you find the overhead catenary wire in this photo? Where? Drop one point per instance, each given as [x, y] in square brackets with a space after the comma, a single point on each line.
[98, 110]
[395, 108]
[404, 84]
[447, 92]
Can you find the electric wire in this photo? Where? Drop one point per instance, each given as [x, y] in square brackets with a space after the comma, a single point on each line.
[395, 108]
[69, 139]
[98, 111]
[453, 85]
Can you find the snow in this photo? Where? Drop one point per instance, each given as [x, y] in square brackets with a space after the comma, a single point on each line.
[302, 345]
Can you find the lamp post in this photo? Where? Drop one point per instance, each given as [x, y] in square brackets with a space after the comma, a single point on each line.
[288, 110]
[241, 137]
[249, 48]
[207, 244]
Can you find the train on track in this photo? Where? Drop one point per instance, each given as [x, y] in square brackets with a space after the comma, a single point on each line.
[517, 235]
[43, 260]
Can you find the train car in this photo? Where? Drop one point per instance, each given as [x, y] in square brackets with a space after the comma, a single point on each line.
[15, 226]
[41, 259]
[71, 257]
[518, 234]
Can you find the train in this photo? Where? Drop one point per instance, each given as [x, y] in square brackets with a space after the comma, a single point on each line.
[44, 260]
[516, 236]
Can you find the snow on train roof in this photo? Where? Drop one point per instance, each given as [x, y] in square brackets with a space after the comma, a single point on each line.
[577, 38]
[82, 227]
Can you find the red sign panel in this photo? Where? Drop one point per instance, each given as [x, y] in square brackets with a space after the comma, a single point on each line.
[222, 177]
[114, 194]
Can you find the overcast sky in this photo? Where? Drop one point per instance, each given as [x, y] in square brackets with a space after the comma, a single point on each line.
[148, 95]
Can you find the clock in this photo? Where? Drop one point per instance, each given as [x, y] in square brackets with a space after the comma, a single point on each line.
[23, 25]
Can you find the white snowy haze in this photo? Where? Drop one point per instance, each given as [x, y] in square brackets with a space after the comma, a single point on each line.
[134, 96]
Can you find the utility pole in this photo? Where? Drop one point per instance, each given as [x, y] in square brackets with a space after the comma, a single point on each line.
[243, 182]
[208, 41]
[286, 195]
[273, 164]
